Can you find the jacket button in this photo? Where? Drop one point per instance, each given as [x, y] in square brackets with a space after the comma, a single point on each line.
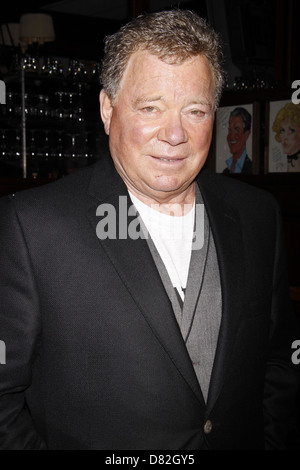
[208, 427]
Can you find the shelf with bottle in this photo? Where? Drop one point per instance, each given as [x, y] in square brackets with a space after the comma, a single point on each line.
[50, 153]
[52, 97]
[59, 107]
[54, 154]
[48, 67]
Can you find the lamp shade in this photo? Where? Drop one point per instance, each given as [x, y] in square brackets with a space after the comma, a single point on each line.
[36, 27]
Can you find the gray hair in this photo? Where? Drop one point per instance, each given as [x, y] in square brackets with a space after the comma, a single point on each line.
[173, 36]
[246, 117]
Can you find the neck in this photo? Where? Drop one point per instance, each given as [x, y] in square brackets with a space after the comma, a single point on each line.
[291, 158]
[236, 156]
[176, 205]
[294, 156]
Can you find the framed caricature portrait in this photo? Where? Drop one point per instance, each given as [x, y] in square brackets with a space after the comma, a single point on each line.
[283, 154]
[236, 139]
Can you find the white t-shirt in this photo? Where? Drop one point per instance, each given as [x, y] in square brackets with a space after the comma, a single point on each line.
[172, 236]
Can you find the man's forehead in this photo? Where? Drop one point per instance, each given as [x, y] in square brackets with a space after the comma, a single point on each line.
[144, 68]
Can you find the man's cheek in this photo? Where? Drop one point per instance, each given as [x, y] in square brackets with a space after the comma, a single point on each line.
[142, 136]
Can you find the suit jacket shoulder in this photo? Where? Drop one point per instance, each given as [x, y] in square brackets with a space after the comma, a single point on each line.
[237, 193]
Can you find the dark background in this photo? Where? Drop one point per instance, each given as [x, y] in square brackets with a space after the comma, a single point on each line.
[261, 36]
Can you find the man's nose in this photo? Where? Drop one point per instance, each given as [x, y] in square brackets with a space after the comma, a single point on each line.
[172, 129]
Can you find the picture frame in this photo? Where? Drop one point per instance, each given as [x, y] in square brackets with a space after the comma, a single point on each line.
[282, 137]
[225, 142]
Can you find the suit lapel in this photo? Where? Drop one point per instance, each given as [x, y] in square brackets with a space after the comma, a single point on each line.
[134, 264]
[225, 226]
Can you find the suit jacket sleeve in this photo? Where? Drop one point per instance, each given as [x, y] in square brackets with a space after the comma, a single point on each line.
[19, 329]
[282, 377]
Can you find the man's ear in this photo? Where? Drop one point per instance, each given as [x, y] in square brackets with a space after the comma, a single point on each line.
[106, 110]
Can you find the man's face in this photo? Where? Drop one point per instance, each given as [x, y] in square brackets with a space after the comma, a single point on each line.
[160, 127]
[236, 137]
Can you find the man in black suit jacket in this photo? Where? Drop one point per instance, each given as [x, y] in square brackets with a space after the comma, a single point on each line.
[117, 338]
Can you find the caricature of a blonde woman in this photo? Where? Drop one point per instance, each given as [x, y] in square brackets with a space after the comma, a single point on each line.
[287, 132]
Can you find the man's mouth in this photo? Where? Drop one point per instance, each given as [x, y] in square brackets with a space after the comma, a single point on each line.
[169, 159]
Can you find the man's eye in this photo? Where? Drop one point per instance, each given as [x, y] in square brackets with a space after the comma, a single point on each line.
[198, 112]
[148, 109]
